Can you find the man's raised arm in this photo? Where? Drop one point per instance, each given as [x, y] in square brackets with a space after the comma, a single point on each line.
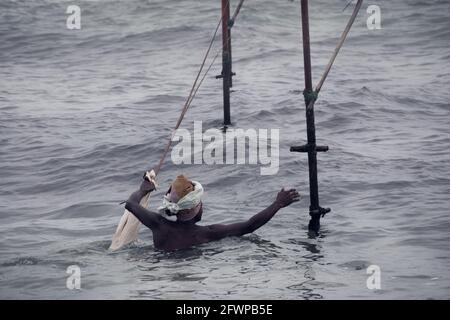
[284, 198]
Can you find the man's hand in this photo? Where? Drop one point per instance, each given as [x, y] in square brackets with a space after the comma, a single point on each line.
[285, 198]
[147, 185]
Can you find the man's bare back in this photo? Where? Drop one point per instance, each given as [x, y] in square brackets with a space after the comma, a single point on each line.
[173, 235]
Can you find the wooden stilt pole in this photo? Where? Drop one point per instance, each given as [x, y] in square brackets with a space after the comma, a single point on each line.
[227, 68]
[315, 210]
[226, 61]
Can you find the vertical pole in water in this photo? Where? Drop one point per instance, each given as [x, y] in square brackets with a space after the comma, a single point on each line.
[315, 210]
[226, 61]
[310, 121]
[306, 46]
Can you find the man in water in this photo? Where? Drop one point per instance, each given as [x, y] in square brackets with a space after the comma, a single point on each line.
[182, 203]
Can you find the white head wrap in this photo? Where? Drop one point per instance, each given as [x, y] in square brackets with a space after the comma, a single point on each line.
[189, 201]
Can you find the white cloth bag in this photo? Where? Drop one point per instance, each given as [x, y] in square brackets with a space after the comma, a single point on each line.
[128, 229]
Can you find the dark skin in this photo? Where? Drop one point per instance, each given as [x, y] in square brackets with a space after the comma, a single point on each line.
[170, 235]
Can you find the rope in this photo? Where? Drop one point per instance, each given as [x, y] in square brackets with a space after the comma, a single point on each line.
[195, 89]
[347, 5]
[235, 14]
[191, 96]
[217, 53]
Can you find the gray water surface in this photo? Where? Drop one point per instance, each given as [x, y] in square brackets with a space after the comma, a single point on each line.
[84, 112]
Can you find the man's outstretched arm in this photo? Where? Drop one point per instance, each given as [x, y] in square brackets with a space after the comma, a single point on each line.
[146, 217]
[284, 198]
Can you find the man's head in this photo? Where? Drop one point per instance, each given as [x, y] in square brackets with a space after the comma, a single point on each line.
[183, 199]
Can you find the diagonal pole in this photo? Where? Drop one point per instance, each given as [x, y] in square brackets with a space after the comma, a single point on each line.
[339, 45]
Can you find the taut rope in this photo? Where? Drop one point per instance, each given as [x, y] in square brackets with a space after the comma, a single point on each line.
[194, 89]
